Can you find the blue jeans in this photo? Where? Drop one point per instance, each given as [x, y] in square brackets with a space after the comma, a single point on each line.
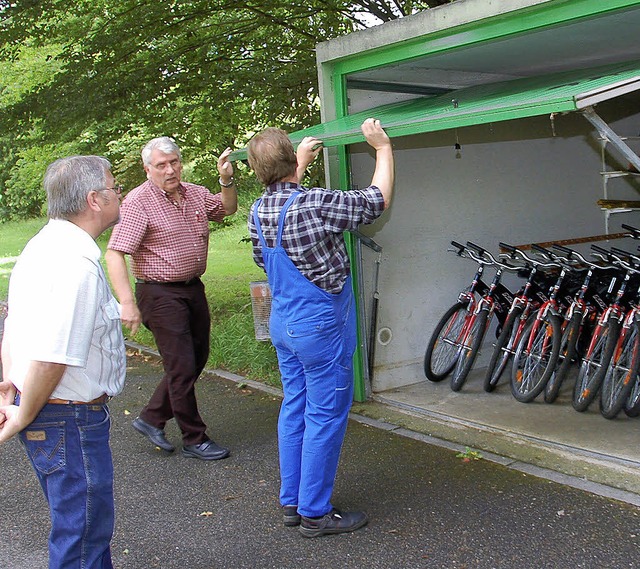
[68, 447]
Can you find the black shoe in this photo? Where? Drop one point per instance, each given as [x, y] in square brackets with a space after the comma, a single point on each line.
[155, 435]
[291, 516]
[208, 450]
[333, 522]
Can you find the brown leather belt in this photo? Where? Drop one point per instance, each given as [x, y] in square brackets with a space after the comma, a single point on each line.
[194, 280]
[97, 401]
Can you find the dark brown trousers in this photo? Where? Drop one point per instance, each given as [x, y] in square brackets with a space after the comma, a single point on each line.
[178, 317]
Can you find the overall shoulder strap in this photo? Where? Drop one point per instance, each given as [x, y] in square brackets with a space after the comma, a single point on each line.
[282, 215]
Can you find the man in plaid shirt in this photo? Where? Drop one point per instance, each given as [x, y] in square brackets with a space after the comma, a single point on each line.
[297, 236]
[164, 227]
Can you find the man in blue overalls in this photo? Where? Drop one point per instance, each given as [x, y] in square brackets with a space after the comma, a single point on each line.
[297, 236]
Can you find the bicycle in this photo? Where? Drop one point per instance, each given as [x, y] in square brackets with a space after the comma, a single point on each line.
[603, 340]
[538, 349]
[445, 344]
[528, 300]
[580, 315]
[495, 300]
[623, 368]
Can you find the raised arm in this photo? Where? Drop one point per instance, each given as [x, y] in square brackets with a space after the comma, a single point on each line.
[229, 193]
[383, 175]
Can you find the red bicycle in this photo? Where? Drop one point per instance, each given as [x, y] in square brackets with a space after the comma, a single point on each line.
[456, 339]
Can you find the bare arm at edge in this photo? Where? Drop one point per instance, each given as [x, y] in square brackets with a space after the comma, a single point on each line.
[119, 275]
[42, 378]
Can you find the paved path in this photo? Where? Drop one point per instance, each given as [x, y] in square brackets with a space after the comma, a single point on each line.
[428, 508]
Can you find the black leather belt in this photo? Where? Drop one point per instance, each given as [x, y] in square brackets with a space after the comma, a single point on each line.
[194, 280]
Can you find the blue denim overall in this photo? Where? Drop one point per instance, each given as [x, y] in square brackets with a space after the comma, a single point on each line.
[314, 333]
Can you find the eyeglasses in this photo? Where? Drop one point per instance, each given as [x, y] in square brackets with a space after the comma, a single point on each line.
[117, 189]
[175, 163]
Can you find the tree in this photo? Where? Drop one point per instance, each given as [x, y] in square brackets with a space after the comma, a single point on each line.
[208, 73]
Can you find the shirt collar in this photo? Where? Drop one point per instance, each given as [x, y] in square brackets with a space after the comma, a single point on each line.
[81, 240]
[282, 187]
[181, 190]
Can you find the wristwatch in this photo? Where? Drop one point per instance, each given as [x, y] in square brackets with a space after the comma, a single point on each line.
[228, 184]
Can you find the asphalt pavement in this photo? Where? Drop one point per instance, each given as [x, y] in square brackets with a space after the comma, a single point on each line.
[428, 506]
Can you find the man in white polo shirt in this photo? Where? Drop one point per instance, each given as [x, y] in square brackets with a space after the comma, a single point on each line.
[63, 357]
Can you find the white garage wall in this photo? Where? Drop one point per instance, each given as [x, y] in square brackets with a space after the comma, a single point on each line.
[514, 182]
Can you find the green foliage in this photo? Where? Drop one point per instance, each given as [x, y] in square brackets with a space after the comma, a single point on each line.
[24, 196]
[107, 75]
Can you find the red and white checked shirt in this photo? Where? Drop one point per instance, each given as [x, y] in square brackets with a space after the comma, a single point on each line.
[166, 242]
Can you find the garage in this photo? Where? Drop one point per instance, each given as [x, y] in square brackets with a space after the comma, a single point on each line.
[514, 121]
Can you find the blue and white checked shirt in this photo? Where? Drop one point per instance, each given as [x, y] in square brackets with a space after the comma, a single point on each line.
[313, 230]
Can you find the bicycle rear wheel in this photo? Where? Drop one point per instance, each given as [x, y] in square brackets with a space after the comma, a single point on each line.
[567, 353]
[621, 374]
[443, 349]
[594, 365]
[536, 356]
[503, 349]
[470, 348]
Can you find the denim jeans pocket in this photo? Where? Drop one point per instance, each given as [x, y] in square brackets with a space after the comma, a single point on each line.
[45, 446]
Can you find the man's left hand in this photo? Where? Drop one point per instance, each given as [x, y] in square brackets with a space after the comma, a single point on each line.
[225, 168]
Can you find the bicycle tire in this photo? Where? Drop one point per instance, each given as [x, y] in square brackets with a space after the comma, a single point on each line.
[532, 369]
[500, 356]
[567, 354]
[594, 366]
[632, 404]
[621, 374]
[443, 348]
[470, 350]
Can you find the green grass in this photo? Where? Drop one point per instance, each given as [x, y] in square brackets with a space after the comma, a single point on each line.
[230, 269]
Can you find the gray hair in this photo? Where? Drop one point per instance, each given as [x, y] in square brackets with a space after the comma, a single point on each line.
[68, 182]
[163, 144]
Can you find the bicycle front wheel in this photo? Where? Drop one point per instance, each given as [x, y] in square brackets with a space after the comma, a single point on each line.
[503, 349]
[632, 404]
[470, 348]
[443, 349]
[536, 356]
[594, 365]
[567, 353]
[621, 374]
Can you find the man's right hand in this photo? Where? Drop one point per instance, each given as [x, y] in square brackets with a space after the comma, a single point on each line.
[131, 316]
[9, 424]
[374, 134]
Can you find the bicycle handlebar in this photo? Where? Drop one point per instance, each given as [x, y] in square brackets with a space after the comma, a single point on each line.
[515, 252]
[615, 256]
[571, 253]
[635, 233]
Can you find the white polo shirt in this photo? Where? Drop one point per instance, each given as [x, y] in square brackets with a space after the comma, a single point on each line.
[61, 310]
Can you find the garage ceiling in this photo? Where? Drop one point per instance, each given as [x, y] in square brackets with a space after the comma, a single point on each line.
[605, 39]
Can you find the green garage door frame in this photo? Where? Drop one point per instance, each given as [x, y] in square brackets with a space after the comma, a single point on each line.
[480, 104]
[508, 100]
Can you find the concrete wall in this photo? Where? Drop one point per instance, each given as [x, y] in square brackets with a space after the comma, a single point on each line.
[514, 182]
